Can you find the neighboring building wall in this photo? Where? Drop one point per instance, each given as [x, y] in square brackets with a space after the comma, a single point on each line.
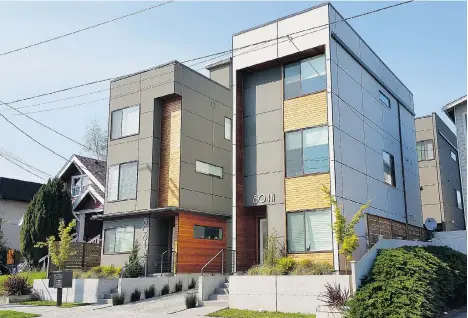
[10, 214]
[460, 122]
[222, 74]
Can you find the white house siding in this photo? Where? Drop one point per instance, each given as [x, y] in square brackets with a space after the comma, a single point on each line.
[11, 213]
[460, 122]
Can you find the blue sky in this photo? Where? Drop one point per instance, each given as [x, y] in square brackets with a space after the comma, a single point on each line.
[424, 43]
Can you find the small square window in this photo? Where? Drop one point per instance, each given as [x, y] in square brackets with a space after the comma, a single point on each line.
[384, 99]
[389, 168]
[453, 155]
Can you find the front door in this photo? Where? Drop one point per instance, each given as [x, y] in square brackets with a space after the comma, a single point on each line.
[263, 230]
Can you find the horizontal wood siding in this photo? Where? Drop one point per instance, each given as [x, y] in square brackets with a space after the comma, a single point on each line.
[169, 173]
[193, 253]
[305, 111]
[305, 193]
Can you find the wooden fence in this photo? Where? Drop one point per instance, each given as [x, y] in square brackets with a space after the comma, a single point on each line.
[85, 256]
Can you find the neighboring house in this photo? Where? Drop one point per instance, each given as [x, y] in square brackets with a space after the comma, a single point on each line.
[456, 111]
[439, 173]
[86, 179]
[169, 169]
[15, 196]
[318, 108]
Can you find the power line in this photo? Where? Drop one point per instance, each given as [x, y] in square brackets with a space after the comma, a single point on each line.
[222, 52]
[13, 157]
[18, 165]
[84, 29]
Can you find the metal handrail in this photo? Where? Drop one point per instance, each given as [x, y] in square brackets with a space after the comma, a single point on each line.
[96, 239]
[162, 257]
[222, 262]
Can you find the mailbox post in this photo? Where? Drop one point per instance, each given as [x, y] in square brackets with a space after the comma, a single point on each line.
[60, 280]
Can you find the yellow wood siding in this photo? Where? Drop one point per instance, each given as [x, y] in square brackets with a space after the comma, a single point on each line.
[305, 193]
[316, 257]
[306, 111]
[169, 171]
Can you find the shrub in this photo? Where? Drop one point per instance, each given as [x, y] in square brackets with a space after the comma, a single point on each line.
[132, 267]
[103, 272]
[191, 300]
[264, 270]
[309, 267]
[192, 284]
[410, 282]
[150, 292]
[165, 290]
[334, 296]
[16, 285]
[286, 265]
[118, 299]
[135, 296]
[178, 287]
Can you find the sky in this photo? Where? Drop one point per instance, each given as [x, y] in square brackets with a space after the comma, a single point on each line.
[423, 43]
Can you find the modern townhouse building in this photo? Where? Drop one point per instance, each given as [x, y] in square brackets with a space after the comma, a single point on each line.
[169, 169]
[439, 173]
[456, 111]
[315, 106]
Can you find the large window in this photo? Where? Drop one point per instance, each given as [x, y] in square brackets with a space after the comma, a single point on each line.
[384, 99]
[309, 231]
[425, 150]
[305, 77]
[208, 169]
[389, 168]
[122, 181]
[307, 151]
[125, 122]
[207, 232]
[78, 184]
[118, 240]
[458, 196]
[227, 128]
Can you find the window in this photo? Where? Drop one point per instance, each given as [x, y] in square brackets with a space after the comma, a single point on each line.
[206, 168]
[79, 184]
[453, 155]
[384, 99]
[459, 199]
[125, 122]
[207, 232]
[307, 151]
[118, 240]
[425, 150]
[227, 128]
[305, 77]
[309, 231]
[389, 168]
[122, 181]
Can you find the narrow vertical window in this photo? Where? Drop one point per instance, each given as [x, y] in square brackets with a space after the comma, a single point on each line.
[425, 150]
[459, 199]
[227, 128]
[389, 168]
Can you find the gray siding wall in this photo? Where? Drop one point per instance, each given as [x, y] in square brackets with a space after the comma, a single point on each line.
[263, 143]
[141, 89]
[460, 122]
[222, 75]
[205, 104]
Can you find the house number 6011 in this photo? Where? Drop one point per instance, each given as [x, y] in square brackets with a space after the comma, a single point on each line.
[264, 198]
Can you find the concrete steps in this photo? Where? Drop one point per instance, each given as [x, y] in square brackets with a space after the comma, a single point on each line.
[222, 292]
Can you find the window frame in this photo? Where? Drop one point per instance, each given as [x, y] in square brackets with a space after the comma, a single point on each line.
[305, 236]
[453, 155]
[209, 174]
[205, 238]
[230, 130]
[81, 177]
[121, 123]
[382, 94]
[392, 168]
[301, 94]
[424, 143]
[302, 152]
[118, 182]
[115, 229]
[458, 193]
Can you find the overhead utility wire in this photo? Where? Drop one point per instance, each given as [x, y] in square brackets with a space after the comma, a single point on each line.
[20, 166]
[219, 53]
[17, 159]
[85, 29]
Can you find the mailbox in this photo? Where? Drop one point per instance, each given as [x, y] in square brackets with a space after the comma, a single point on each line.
[60, 279]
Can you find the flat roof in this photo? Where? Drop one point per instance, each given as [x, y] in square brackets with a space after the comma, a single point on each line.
[219, 63]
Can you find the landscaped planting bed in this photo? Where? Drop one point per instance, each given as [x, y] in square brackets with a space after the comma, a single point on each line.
[236, 313]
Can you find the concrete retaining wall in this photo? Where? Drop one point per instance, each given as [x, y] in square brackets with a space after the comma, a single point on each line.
[83, 290]
[207, 285]
[128, 285]
[294, 294]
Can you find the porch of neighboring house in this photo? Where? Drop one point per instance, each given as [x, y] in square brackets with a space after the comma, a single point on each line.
[171, 240]
[84, 208]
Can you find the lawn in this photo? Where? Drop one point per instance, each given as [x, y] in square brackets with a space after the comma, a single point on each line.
[236, 313]
[16, 314]
[52, 303]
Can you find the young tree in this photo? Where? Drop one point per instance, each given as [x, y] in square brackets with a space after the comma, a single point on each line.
[344, 231]
[95, 140]
[133, 267]
[50, 204]
[60, 255]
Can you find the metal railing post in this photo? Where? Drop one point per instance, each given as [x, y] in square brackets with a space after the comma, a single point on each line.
[162, 258]
[222, 263]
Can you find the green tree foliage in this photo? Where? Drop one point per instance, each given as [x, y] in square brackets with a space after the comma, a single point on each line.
[60, 255]
[50, 204]
[411, 282]
[133, 267]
